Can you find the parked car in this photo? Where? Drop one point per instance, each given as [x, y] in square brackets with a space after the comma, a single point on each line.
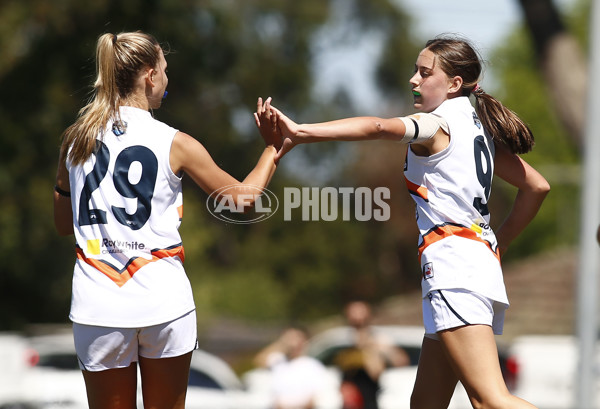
[395, 383]
[545, 370]
[213, 384]
[49, 377]
[54, 378]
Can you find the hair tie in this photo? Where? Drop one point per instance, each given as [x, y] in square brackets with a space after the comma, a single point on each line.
[114, 39]
[477, 90]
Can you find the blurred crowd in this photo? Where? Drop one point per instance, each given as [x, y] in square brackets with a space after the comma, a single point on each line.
[299, 381]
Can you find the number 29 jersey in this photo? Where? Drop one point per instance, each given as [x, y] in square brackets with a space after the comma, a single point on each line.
[127, 207]
[457, 247]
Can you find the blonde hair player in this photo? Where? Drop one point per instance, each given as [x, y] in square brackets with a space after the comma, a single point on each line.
[454, 150]
[118, 189]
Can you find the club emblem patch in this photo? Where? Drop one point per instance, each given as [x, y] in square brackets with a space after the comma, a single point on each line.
[427, 271]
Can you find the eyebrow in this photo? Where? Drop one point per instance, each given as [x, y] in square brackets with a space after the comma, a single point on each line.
[424, 67]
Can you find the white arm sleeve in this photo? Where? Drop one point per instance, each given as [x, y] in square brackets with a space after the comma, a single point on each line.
[423, 126]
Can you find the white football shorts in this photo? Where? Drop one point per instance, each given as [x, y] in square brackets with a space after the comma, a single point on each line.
[452, 308]
[102, 348]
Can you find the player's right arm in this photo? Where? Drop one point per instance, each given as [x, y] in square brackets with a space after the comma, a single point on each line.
[189, 156]
[63, 212]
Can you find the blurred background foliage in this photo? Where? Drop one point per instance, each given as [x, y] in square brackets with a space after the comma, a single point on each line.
[223, 55]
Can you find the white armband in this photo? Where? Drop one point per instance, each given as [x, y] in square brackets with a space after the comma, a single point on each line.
[423, 126]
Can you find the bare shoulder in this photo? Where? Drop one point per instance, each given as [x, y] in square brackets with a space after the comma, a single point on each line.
[185, 150]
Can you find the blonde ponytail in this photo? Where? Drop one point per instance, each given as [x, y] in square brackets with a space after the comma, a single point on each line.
[119, 59]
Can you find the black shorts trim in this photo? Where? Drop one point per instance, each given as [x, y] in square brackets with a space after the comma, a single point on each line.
[452, 309]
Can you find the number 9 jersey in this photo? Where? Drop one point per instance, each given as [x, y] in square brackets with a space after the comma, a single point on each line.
[127, 207]
[457, 247]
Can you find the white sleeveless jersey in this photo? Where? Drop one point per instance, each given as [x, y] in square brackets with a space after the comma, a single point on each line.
[127, 207]
[457, 247]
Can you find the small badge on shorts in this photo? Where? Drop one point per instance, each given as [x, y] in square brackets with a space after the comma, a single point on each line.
[427, 271]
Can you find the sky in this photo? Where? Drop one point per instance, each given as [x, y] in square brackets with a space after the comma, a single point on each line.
[485, 23]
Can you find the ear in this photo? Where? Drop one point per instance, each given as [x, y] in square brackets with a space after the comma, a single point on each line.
[455, 84]
[149, 77]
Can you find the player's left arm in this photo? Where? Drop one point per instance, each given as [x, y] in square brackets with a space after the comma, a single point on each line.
[532, 186]
[423, 129]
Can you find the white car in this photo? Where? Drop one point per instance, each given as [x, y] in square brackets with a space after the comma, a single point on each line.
[45, 375]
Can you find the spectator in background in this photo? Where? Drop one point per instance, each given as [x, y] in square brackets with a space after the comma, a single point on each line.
[363, 364]
[297, 380]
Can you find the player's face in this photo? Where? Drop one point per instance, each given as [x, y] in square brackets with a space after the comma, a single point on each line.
[430, 85]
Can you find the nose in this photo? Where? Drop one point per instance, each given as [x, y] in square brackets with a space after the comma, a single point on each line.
[415, 79]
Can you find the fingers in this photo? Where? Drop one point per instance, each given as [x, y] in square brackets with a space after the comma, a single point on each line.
[273, 120]
[262, 110]
[259, 105]
[257, 119]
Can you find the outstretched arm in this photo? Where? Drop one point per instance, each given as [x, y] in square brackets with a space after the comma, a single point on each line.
[533, 188]
[425, 130]
[349, 129]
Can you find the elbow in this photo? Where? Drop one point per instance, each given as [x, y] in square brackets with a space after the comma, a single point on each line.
[537, 191]
[379, 130]
[542, 187]
[245, 206]
[245, 201]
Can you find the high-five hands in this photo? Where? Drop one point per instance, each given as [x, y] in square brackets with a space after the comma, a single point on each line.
[276, 128]
[266, 121]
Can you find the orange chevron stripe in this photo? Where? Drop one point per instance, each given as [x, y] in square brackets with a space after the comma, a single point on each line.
[121, 277]
[415, 189]
[441, 232]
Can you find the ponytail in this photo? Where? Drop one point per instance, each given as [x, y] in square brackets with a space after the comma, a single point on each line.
[119, 59]
[457, 57]
[502, 124]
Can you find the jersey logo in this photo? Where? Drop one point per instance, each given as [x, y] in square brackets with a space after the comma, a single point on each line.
[442, 231]
[93, 247]
[121, 275]
[476, 120]
[119, 128]
[427, 271]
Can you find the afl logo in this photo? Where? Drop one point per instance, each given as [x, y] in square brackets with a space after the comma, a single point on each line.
[254, 204]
